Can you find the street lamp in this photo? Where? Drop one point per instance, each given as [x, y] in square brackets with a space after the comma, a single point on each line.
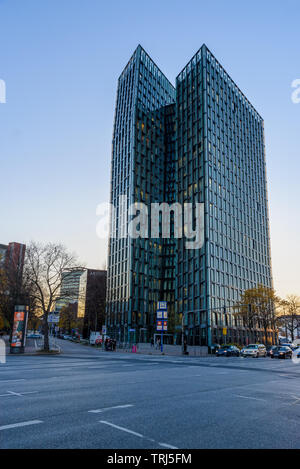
[183, 343]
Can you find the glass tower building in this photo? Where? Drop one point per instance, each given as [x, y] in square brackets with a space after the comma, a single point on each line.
[201, 141]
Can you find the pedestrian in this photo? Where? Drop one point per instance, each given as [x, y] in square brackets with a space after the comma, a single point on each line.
[157, 343]
[152, 342]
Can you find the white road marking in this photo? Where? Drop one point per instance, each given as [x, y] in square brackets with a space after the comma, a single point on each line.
[247, 397]
[165, 445]
[123, 429]
[12, 393]
[10, 380]
[124, 406]
[20, 424]
[127, 365]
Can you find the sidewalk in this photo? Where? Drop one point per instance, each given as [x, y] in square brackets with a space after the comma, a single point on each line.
[174, 350]
[32, 346]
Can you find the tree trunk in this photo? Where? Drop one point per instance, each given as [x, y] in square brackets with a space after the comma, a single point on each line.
[46, 333]
[266, 336]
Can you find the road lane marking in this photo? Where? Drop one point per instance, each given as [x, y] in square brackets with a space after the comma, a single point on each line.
[20, 424]
[10, 380]
[166, 445]
[122, 429]
[248, 397]
[124, 406]
[12, 393]
[127, 365]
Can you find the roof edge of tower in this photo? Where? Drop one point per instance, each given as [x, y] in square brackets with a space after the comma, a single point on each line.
[204, 46]
[141, 48]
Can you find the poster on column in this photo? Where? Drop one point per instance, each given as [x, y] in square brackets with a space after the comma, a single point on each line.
[18, 337]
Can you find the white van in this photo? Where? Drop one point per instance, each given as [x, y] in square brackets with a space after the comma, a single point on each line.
[94, 336]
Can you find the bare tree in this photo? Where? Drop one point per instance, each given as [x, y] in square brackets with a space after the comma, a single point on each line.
[257, 308]
[68, 319]
[289, 317]
[45, 268]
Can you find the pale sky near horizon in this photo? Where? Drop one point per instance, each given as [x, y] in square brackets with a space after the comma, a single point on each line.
[60, 60]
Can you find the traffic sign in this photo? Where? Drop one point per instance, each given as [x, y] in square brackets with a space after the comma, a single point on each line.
[162, 314]
[53, 318]
[161, 305]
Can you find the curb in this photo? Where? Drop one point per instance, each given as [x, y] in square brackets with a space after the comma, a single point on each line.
[34, 354]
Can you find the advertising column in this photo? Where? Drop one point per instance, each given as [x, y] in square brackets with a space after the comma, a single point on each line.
[18, 336]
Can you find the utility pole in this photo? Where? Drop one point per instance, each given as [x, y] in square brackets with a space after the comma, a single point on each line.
[225, 335]
[248, 312]
[182, 334]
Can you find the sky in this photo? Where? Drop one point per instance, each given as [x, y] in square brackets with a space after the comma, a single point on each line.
[60, 60]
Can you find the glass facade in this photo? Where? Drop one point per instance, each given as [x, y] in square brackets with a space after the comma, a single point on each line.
[141, 151]
[201, 142]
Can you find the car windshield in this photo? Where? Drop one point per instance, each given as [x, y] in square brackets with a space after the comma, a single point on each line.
[251, 346]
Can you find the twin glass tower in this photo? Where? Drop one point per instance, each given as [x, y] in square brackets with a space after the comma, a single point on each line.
[198, 142]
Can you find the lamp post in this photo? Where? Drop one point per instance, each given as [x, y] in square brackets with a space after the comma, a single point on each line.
[183, 345]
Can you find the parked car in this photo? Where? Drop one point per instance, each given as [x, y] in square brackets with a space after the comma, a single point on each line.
[270, 349]
[215, 347]
[67, 337]
[282, 352]
[290, 345]
[228, 351]
[254, 350]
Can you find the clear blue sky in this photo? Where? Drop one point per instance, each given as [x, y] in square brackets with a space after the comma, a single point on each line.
[61, 59]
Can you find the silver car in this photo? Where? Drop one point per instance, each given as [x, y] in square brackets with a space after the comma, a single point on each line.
[254, 350]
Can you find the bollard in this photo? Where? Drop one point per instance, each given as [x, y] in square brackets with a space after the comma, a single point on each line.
[2, 351]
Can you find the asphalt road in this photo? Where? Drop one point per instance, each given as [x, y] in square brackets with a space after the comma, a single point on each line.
[86, 398]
